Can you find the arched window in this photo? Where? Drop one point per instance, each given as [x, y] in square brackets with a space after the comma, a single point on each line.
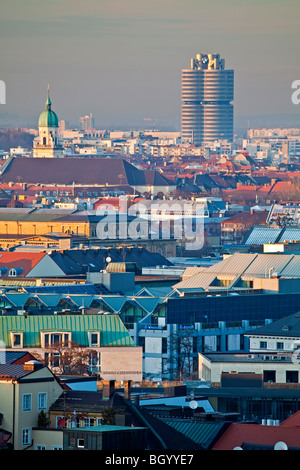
[12, 272]
[44, 140]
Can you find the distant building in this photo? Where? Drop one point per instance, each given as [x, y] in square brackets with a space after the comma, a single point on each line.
[234, 229]
[206, 94]
[26, 389]
[115, 355]
[87, 122]
[47, 144]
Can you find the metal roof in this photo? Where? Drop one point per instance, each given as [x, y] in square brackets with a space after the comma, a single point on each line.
[200, 432]
[263, 263]
[260, 235]
[289, 234]
[201, 280]
[286, 327]
[112, 329]
[248, 266]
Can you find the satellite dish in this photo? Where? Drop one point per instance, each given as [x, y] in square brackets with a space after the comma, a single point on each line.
[108, 259]
[280, 446]
[193, 404]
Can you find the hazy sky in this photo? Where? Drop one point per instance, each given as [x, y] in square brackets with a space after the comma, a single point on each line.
[122, 59]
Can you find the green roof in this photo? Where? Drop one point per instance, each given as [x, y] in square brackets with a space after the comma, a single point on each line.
[104, 428]
[112, 330]
[200, 432]
[48, 118]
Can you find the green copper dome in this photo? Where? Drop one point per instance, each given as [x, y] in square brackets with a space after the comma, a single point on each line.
[48, 118]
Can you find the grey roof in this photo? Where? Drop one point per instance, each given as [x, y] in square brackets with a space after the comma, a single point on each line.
[263, 263]
[246, 265]
[14, 370]
[289, 233]
[259, 235]
[245, 357]
[9, 357]
[285, 327]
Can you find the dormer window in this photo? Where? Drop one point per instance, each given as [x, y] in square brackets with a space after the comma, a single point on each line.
[16, 340]
[12, 272]
[55, 338]
[94, 339]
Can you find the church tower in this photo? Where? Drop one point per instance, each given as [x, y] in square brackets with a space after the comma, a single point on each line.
[47, 144]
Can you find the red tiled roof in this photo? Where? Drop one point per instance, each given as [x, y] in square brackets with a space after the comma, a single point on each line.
[237, 433]
[16, 260]
[78, 170]
[293, 421]
[248, 218]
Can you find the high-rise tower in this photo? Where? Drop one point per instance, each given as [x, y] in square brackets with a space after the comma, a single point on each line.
[206, 95]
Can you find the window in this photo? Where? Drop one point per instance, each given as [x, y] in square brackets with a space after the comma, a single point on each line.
[279, 345]
[80, 443]
[26, 436]
[52, 359]
[292, 376]
[270, 376]
[87, 422]
[55, 338]
[40, 447]
[16, 340]
[263, 345]
[66, 340]
[56, 448]
[164, 345]
[94, 339]
[12, 272]
[27, 401]
[42, 401]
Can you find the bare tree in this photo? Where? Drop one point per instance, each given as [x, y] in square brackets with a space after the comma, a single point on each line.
[183, 354]
[72, 360]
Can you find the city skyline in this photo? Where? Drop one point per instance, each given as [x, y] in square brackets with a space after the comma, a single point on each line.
[122, 61]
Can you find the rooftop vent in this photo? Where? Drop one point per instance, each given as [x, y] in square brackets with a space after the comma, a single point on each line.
[32, 365]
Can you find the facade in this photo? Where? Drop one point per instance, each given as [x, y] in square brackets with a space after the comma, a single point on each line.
[122, 438]
[83, 227]
[113, 354]
[235, 228]
[87, 122]
[281, 336]
[206, 95]
[47, 144]
[25, 390]
[257, 370]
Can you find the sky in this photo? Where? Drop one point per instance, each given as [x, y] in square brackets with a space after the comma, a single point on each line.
[122, 59]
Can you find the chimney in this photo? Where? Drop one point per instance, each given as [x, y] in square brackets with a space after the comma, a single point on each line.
[108, 389]
[31, 366]
[127, 389]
